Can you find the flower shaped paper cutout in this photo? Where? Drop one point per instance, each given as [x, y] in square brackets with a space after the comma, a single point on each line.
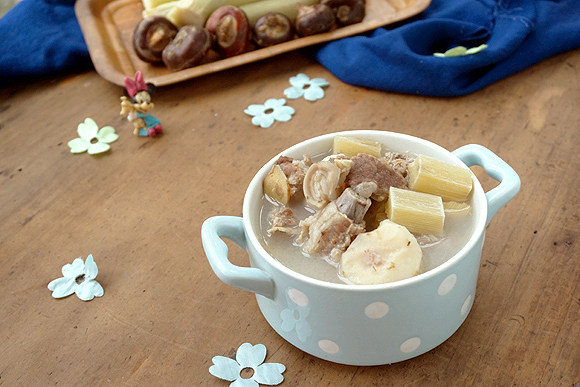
[294, 318]
[78, 278]
[302, 85]
[272, 110]
[248, 356]
[92, 139]
[460, 51]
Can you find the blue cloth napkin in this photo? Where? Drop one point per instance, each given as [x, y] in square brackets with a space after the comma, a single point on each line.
[519, 33]
[39, 37]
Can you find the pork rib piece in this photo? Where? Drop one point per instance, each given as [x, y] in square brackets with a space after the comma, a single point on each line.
[367, 168]
[328, 232]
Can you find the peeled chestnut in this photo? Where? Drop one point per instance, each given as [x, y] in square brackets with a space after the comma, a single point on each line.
[231, 29]
[347, 11]
[313, 19]
[151, 36]
[187, 49]
[273, 28]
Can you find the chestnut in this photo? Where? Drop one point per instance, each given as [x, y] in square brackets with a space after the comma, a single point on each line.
[273, 28]
[151, 36]
[187, 49]
[231, 28]
[347, 12]
[313, 19]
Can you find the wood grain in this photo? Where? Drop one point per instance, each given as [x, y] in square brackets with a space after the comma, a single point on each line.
[139, 208]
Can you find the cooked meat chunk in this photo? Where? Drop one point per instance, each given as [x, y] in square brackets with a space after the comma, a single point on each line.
[324, 180]
[367, 168]
[343, 163]
[295, 170]
[366, 189]
[282, 219]
[282, 160]
[328, 232]
[321, 183]
[354, 205]
[399, 162]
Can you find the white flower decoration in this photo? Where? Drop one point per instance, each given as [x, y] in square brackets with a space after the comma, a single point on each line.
[272, 110]
[311, 89]
[92, 139]
[248, 356]
[78, 278]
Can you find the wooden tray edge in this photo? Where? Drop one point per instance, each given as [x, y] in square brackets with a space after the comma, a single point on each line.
[95, 31]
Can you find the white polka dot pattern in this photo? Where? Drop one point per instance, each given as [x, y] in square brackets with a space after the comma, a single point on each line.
[410, 345]
[376, 310]
[328, 346]
[447, 284]
[466, 305]
[298, 297]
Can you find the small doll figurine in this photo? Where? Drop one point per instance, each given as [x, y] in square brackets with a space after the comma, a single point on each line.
[136, 109]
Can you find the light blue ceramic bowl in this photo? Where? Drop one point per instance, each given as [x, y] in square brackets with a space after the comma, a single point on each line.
[362, 324]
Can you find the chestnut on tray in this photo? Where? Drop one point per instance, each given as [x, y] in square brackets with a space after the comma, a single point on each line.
[231, 30]
[108, 26]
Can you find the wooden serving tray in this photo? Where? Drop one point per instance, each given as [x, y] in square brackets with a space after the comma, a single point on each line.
[108, 26]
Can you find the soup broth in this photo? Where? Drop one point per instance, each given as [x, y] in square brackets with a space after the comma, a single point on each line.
[436, 249]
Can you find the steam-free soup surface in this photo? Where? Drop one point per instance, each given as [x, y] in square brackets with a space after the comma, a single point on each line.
[290, 249]
[436, 250]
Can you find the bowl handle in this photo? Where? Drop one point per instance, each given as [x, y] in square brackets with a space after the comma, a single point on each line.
[216, 250]
[496, 168]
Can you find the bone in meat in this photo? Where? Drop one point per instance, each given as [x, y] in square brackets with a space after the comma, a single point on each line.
[328, 232]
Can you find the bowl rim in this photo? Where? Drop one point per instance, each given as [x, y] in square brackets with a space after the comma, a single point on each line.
[256, 183]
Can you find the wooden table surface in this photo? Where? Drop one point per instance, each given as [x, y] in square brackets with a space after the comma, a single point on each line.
[138, 210]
